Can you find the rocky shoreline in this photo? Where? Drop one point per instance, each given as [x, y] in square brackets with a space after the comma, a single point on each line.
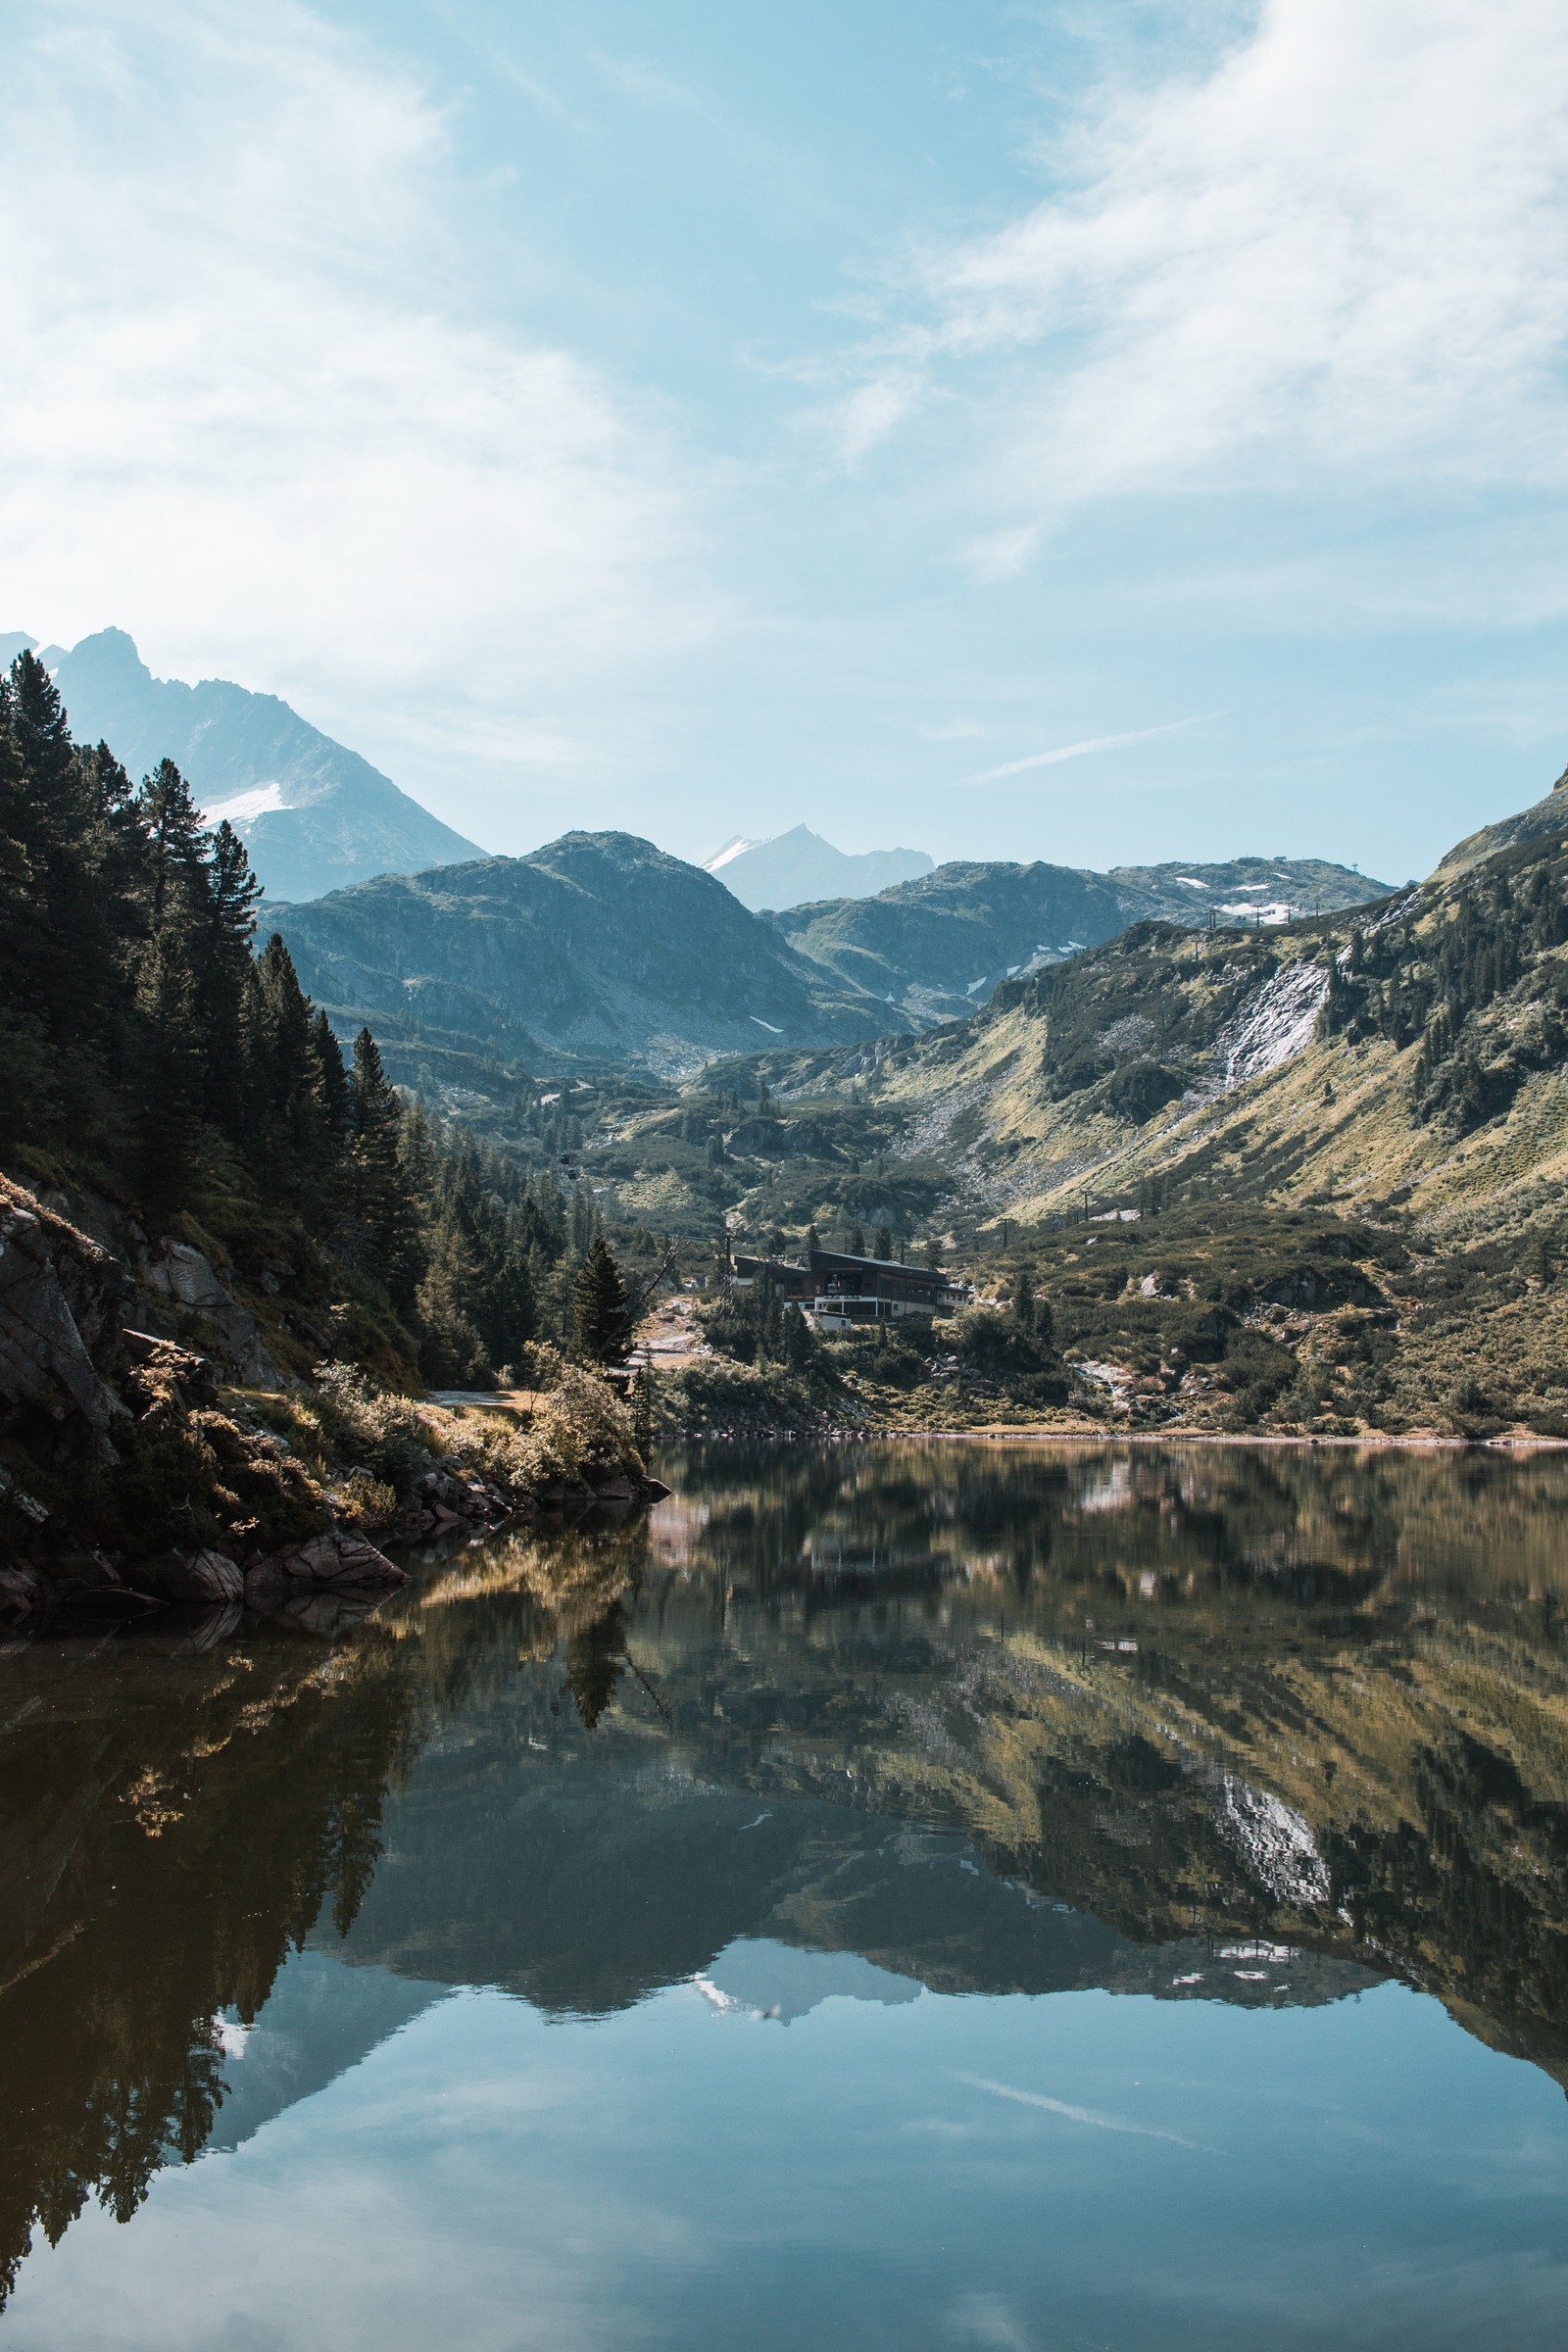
[334, 1575]
[132, 1478]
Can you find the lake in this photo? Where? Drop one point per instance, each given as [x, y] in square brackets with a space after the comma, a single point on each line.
[896, 1895]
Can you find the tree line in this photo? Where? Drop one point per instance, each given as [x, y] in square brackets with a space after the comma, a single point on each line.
[1426, 975]
[146, 1046]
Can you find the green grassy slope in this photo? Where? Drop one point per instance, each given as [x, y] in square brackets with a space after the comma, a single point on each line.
[1306, 1178]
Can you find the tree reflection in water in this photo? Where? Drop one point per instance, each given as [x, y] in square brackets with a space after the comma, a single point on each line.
[1173, 1706]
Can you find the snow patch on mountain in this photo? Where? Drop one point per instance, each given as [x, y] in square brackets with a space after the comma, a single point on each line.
[242, 809]
[736, 846]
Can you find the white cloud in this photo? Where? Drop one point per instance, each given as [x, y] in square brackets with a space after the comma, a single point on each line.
[859, 421]
[1341, 255]
[250, 410]
[1076, 751]
[1077, 2115]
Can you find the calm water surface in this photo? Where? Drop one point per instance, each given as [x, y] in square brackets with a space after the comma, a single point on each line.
[903, 1897]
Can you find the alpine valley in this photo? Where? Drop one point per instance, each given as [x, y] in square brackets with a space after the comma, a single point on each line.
[1302, 1177]
[1261, 1147]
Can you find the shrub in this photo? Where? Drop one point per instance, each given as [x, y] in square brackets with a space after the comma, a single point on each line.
[719, 1395]
[583, 1429]
[897, 1361]
[368, 1503]
[198, 1477]
[388, 1433]
[1139, 1089]
[995, 1350]
[995, 1344]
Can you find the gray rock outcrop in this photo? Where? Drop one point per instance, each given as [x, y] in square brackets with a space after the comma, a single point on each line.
[61, 1299]
[339, 1559]
[187, 1278]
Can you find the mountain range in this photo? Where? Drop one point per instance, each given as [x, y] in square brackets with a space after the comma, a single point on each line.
[599, 947]
[1413, 1050]
[606, 949]
[312, 814]
[938, 944]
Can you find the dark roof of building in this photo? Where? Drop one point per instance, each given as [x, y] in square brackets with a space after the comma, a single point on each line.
[825, 1263]
[881, 1265]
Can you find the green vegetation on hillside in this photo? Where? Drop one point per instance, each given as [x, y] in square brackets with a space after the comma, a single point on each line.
[145, 1050]
[262, 1205]
[1182, 1133]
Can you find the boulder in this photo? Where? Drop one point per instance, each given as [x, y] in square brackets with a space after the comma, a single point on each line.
[207, 1577]
[339, 1557]
[186, 1275]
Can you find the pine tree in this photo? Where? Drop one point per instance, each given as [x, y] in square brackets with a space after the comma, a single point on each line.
[643, 1406]
[378, 1196]
[64, 951]
[28, 1103]
[222, 975]
[452, 1351]
[1023, 1299]
[600, 1309]
[332, 1093]
[800, 1340]
[176, 845]
[298, 1109]
[584, 1219]
[168, 1079]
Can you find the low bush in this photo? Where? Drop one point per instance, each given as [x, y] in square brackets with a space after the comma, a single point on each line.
[746, 1399]
[366, 1424]
[582, 1430]
[202, 1477]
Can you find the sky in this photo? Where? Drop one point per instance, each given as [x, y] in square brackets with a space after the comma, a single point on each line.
[1099, 434]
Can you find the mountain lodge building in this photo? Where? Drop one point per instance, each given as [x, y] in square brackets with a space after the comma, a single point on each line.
[838, 1290]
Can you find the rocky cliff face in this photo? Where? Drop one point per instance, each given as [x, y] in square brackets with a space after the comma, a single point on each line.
[122, 1484]
[62, 1307]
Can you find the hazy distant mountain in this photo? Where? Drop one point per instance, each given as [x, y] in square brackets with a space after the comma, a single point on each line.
[598, 945]
[312, 814]
[938, 946]
[799, 865]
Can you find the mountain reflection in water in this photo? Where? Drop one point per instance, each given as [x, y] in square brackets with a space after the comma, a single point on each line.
[1264, 1729]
